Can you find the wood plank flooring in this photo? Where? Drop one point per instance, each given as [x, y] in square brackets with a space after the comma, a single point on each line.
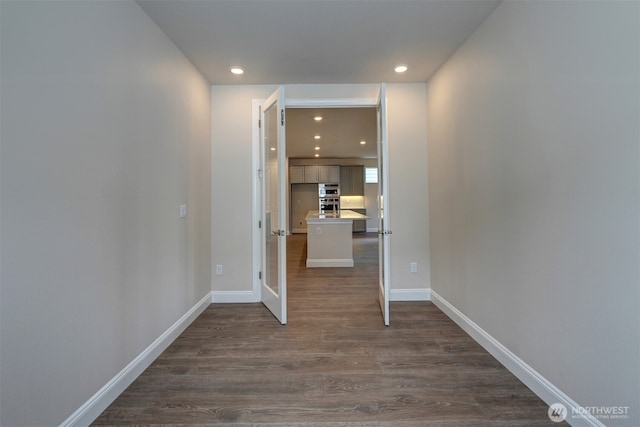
[333, 364]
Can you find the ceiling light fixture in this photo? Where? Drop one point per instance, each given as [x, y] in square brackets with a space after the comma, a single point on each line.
[316, 137]
[363, 142]
[317, 155]
[317, 148]
[317, 118]
[401, 68]
[236, 70]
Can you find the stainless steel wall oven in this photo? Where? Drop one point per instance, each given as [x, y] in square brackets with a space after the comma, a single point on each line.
[329, 198]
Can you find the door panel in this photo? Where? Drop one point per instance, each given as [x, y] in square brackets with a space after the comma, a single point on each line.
[273, 292]
[384, 232]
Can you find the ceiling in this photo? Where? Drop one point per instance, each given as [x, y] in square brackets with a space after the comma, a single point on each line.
[340, 131]
[319, 42]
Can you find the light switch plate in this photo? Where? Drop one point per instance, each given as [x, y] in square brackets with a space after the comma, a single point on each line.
[183, 211]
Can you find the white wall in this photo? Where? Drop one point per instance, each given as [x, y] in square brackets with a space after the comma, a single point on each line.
[105, 131]
[409, 216]
[534, 191]
[232, 175]
[232, 178]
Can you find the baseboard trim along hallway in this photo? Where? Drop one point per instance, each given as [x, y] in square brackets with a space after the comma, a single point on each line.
[335, 362]
[234, 297]
[338, 308]
[423, 294]
[93, 407]
[542, 387]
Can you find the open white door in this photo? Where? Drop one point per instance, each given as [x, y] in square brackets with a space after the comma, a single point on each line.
[383, 205]
[273, 288]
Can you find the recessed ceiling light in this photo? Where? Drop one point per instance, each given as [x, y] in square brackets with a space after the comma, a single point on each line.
[273, 148]
[316, 137]
[401, 68]
[317, 118]
[363, 142]
[237, 70]
[317, 148]
[317, 155]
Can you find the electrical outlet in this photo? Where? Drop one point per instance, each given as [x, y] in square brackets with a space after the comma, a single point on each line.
[218, 269]
[318, 230]
[413, 267]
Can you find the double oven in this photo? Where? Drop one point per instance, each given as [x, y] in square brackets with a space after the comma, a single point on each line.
[329, 198]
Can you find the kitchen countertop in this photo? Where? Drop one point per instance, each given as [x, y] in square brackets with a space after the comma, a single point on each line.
[344, 215]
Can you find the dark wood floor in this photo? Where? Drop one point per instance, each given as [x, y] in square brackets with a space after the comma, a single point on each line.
[333, 364]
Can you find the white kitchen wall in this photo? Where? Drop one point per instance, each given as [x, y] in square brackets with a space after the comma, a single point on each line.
[105, 132]
[233, 174]
[534, 192]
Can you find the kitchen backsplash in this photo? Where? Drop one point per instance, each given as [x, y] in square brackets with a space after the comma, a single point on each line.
[352, 202]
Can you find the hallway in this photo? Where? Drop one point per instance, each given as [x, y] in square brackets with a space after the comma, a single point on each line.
[334, 363]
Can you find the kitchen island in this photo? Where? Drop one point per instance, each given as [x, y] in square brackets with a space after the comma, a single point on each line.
[329, 238]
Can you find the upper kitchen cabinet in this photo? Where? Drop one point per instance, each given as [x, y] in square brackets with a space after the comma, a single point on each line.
[352, 180]
[296, 174]
[329, 174]
[311, 174]
[303, 174]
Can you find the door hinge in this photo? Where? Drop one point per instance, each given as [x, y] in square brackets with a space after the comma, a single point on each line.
[259, 223]
[259, 123]
[260, 275]
[282, 117]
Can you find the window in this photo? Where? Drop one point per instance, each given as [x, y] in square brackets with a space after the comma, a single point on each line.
[371, 175]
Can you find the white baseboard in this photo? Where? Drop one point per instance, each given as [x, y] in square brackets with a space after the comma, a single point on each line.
[423, 294]
[372, 229]
[93, 407]
[545, 390]
[234, 296]
[548, 392]
[322, 262]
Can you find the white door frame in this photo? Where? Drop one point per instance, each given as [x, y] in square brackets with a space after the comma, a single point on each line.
[255, 162]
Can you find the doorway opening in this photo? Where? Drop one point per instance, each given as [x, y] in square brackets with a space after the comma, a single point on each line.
[268, 141]
[332, 147]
